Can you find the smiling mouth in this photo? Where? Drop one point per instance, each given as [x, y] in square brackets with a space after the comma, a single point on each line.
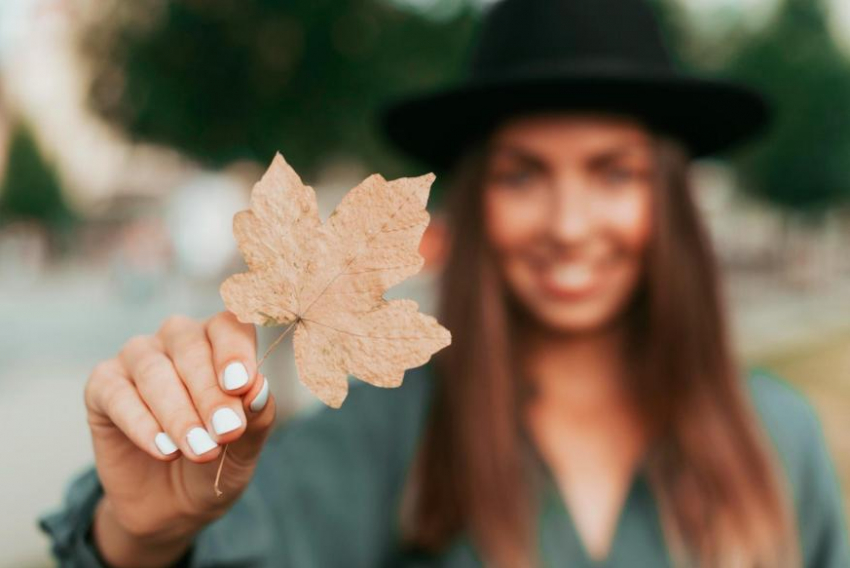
[569, 280]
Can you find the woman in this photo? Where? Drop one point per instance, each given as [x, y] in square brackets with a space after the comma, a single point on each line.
[589, 411]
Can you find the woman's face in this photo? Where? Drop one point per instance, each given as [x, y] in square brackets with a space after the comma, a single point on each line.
[567, 200]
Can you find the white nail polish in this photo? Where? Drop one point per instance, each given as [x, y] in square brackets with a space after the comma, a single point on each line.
[225, 420]
[262, 397]
[165, 444]
[200, 441]
[235, 376]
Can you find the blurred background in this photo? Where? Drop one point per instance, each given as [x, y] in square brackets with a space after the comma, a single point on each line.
[130, 132]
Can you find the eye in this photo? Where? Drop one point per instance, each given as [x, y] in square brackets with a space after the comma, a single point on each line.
[620, 174]
[517, 177]
[513, 177]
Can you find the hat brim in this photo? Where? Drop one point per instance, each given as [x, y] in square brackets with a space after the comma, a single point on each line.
[708, 115]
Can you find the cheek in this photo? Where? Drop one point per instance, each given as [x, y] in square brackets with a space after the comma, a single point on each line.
[630, 220]
[511, 220]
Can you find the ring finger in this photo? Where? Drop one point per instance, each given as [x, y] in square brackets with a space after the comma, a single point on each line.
[160, 387]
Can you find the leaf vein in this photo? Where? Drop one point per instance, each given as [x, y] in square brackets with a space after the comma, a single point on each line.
[351, 260]
[366, 336]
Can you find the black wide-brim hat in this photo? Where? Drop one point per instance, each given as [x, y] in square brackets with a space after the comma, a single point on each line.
[595, 55]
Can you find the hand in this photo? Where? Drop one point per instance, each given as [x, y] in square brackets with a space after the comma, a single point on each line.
[160, 413]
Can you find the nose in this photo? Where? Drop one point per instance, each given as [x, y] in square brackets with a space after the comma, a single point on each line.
[570, 214]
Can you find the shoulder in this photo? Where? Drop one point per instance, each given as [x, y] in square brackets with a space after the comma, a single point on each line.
[785, 410]
[795, 430]
[788, 417]
[794, 427]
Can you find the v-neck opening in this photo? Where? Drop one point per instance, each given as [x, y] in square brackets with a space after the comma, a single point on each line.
[553, 495]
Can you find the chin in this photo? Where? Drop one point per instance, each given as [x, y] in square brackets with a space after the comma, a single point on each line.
[575, 321]
[569, 317]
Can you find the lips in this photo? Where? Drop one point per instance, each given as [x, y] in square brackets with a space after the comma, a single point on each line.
[569, 280]
[571, 276]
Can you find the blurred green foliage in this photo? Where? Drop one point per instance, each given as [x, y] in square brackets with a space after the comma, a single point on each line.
[229, 79]
[804, 162]
[31, 190]
[240, 79]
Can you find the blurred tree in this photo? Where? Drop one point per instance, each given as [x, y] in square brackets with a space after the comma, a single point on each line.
[706, 36]
[30, 189]
[804, 162]
[228, 79]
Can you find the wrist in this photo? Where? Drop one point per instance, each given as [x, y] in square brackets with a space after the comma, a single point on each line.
[120, 548]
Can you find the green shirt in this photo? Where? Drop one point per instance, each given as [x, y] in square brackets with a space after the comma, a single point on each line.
[327, 487]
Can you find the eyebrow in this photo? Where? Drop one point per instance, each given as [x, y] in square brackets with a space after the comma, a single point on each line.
[519, 153]
[619, 152]
[606, 156]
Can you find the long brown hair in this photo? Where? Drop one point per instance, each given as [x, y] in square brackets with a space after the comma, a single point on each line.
[722, 499]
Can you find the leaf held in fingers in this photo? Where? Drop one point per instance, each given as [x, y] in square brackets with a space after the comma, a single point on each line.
[328, 279]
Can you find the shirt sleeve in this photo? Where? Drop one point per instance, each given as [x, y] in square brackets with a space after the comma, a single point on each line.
[244, 536]
[68, 528]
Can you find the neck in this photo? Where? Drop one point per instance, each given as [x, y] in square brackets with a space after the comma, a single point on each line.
[586, 372]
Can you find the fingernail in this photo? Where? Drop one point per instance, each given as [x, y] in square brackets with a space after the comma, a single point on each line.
[224, 420]
[165, 444]
[235, 376]
[262, 397]
[200, 441]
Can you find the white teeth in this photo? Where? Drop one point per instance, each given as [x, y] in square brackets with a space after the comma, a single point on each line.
[572, 275]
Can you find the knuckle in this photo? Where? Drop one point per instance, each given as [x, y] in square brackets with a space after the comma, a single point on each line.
[150, 368]
[196, 354]
[176, 324]
[102, 369]
[112, 400]
[225, 323]
[137, 343]
[98, 381]
[218, 319]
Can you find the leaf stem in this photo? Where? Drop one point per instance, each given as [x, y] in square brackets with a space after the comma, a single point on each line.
[276, 342]
[218, 492]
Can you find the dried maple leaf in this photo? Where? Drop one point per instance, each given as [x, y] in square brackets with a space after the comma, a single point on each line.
[328, 279]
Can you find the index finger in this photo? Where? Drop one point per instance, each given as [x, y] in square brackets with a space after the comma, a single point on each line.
[234, 347]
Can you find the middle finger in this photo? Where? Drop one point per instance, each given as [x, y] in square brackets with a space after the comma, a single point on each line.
[188, 347]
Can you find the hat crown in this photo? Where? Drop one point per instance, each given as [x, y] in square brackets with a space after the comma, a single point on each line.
[547, 55]
[568, 33]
